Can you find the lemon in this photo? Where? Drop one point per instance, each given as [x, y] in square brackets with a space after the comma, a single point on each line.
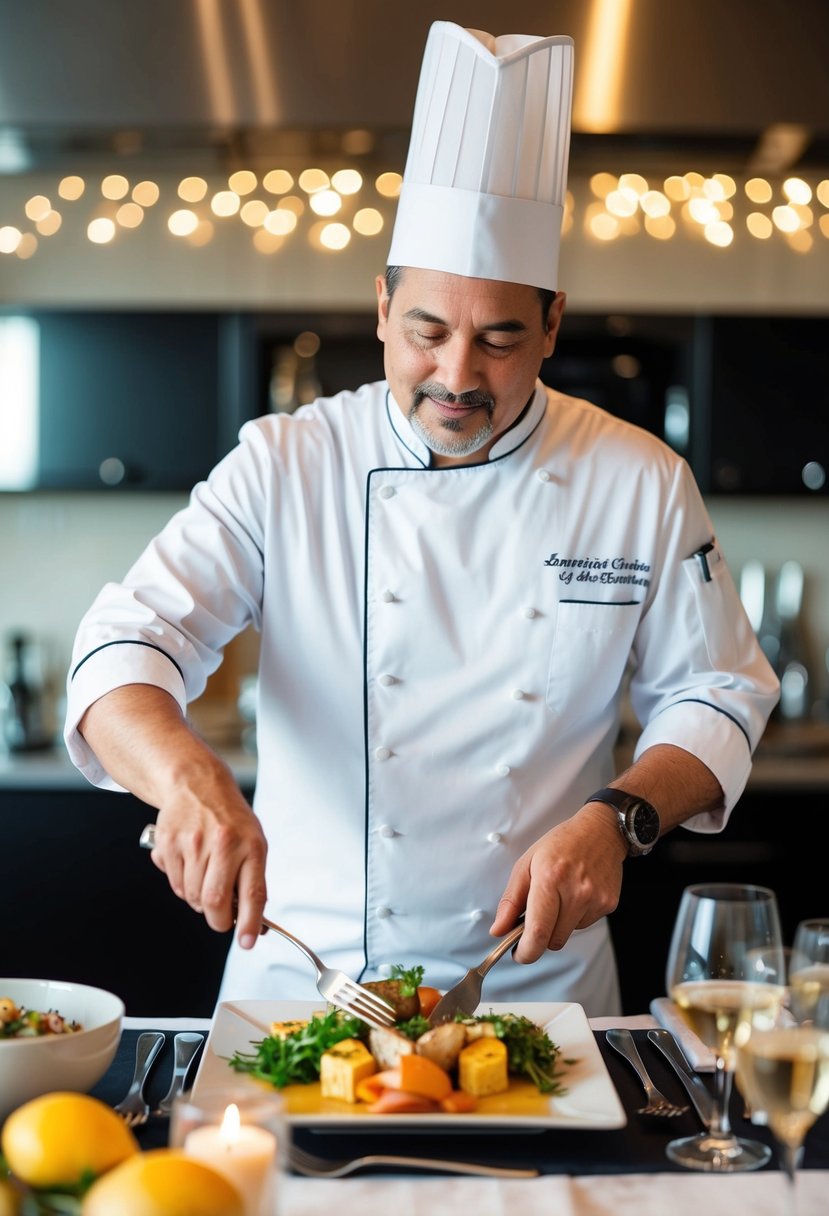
[57, 1139]
[162, 1182]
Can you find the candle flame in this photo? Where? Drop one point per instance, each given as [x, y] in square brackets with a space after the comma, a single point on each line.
[231, 1125]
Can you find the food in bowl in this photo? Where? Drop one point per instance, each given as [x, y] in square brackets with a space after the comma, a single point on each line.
[17, 1022]
[31, 1065]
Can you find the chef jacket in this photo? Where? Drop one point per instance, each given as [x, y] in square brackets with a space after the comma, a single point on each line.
[443, 656]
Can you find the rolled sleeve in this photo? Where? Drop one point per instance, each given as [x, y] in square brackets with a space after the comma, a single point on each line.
[111, 666]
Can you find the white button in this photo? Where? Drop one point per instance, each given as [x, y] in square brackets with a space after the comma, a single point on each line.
[529, 613]
[385, 829]
[495, 838]
[387, 680]
[385, 969]
[503, 770]
[383, 913]
[387, 596]
[478, 914]
[518, 694]
[542, 475]
[387, 491]
[382, 753]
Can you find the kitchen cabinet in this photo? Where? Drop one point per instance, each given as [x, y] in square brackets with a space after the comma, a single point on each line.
[135, 400]
[82, 901]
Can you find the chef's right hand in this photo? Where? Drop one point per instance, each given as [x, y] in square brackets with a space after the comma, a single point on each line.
[208, 841]
[212, 848]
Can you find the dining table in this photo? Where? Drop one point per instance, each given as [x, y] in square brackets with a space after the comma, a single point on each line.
[615, 1171]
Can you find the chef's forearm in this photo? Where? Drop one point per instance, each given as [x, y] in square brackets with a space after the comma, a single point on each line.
[677, 783]
[142, 739]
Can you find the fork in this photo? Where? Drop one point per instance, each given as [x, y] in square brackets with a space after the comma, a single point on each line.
[185, 1047]
[133, 1107]
[322, 1167]
[337, 987]
[465, 996]
[340, 990]
[657, 1103]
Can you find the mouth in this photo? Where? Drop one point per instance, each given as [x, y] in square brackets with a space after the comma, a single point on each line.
[448, 410]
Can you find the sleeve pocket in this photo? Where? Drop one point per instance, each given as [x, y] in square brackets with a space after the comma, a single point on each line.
[717, 607]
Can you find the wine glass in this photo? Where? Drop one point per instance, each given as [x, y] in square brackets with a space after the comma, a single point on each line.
[783, 1068]
[809, 973]
[712, 977]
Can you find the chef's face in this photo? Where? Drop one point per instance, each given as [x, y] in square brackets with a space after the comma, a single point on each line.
[462, 356]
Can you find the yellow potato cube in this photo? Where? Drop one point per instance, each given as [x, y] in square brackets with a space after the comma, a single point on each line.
[342, 1067]
[281, 1030]
[482, 1067]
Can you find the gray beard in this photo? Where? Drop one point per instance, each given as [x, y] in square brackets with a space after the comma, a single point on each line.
[450, 440]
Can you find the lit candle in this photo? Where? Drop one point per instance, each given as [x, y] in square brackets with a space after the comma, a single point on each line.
[243, 1153]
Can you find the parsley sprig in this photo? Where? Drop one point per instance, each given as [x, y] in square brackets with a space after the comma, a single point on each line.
[409, 978]
[296, 1058]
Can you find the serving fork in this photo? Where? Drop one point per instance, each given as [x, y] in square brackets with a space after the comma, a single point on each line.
[656, 1104]
[323, 1167]
[134, 1108]
[334, 985]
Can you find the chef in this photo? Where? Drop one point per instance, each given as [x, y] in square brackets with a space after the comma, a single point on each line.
[454, 573]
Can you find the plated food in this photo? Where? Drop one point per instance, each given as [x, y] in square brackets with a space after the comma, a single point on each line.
[411, 1068]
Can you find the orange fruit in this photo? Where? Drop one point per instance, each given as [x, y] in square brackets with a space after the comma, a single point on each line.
[57, 1139]
[162, 1182]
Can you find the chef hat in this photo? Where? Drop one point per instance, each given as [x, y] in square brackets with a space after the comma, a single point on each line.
[486, 175]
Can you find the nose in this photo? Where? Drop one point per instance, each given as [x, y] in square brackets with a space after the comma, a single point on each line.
[458, 366]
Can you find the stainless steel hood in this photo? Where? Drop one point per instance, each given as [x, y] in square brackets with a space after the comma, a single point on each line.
[240, 80]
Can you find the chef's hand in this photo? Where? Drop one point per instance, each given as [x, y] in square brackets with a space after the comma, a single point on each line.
[208, 841]
[211, 846]
[569, 878]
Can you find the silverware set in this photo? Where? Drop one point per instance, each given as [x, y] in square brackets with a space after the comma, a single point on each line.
[656, 1103]
[134, 1107]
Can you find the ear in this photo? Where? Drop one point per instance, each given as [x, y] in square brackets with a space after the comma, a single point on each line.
[554, 323]
[382, 306]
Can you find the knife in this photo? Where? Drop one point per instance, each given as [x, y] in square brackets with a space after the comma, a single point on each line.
[694, 1087]
[465, 996]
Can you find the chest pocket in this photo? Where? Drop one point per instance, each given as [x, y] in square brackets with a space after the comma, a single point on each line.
[590, 650]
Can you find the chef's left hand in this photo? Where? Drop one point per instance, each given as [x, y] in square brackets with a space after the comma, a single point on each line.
[569, 878]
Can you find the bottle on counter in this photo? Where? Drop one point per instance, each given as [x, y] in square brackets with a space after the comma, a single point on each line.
[23, 725]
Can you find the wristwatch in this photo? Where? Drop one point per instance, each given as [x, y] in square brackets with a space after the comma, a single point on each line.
[638, 819]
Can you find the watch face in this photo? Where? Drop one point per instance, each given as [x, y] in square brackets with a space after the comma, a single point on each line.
[645, 823]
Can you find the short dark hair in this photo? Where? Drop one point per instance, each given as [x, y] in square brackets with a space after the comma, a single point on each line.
[395, 273]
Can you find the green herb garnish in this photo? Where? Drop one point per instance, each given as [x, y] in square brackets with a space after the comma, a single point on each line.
[531, 1052]
[296, 1058]
[409, 979]
[414, 1027]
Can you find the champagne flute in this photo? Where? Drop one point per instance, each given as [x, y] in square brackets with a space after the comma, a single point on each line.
[712, 977]
[783, 1068]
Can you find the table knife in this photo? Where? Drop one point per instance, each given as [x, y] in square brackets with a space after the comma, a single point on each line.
[694, 1087]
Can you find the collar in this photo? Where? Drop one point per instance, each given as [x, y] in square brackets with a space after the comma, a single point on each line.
[506, 443]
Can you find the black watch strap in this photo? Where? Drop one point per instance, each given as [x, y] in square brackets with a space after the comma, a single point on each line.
[637, 818]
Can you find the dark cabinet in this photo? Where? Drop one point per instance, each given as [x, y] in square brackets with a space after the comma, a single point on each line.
[134, 400]
[82, 901]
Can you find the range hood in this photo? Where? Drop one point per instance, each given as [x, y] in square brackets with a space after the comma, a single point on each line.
[239, 81]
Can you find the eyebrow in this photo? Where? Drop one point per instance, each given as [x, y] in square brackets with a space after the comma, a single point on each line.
[506, 327]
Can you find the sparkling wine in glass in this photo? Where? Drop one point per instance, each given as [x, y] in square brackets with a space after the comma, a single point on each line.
[809, 970]
[783, 1068]
[712, 977]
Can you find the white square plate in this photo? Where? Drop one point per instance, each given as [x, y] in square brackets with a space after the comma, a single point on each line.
[591, 1100]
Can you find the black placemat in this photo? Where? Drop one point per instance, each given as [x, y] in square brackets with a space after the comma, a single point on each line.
[637, 1148]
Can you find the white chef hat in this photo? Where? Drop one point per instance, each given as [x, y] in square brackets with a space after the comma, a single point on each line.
[486, 175]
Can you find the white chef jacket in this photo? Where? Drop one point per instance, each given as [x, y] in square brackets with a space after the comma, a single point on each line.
[442, 658]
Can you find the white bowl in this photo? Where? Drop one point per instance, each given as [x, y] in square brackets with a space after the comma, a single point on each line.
[30, 1067]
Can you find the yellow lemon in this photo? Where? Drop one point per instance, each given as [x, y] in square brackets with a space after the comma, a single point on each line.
[57, 1139]
[162, 1182]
